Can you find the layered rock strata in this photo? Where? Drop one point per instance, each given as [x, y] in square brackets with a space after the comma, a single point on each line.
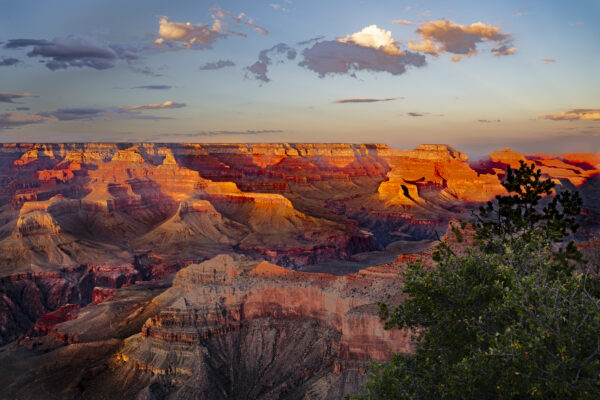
[236, 328]
[97, 207]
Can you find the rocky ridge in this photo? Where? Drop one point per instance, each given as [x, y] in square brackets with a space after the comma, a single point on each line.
[91, 233]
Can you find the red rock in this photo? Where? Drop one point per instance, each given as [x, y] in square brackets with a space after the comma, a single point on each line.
[101, 294]
[293, 204]
[218, 306]
[47, 321]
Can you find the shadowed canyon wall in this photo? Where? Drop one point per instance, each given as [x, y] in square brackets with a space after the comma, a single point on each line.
[91, 235]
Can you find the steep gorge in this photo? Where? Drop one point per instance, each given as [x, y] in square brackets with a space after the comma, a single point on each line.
[92, 234]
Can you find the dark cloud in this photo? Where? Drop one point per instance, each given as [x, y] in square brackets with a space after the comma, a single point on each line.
[7, 62]
[226, 133]
[364, 100]
[260, 68]
[503, 50]
[125, 51]
[335, 57]
[217, 65]
[87, 114]
[20, 43]
[95, 114]
[154, 87]
[75, 51]
[22, 108]
[11, 120]
[423, 114]
[9, 97]
[75, 113]
[309, 41]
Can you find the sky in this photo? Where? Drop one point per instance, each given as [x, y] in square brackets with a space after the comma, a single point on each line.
[478, 75]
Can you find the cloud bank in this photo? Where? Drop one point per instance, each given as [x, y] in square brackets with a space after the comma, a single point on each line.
[9, 97]
[12, 120]
[88, 114]
[333, 57]
[371, 49]
[75, 51]
[94, 114]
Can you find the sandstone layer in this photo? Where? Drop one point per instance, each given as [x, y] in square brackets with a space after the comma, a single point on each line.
[92, 233]
[67, 204]
[228, 328]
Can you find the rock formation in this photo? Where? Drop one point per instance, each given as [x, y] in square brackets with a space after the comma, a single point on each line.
[231, 327]
[92, 234]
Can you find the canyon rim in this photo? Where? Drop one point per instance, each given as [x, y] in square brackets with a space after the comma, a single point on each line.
[148, 270]
[217, 199]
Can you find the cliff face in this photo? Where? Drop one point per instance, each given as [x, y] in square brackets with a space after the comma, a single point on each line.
[71, 204]
[230, 327]
[236, 328]
[91, 234]
[293, 204]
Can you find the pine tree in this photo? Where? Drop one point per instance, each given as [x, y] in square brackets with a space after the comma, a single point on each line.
[512, 315]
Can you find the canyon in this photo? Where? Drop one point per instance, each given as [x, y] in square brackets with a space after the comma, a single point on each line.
[176, 270]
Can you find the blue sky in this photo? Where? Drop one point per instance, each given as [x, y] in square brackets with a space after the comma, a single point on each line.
[86, 70]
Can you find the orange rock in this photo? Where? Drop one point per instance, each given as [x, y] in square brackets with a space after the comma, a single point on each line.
[507, 157]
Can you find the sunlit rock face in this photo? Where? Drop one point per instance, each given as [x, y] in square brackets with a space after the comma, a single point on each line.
[293, 204]
[236, 328]
[92, 234]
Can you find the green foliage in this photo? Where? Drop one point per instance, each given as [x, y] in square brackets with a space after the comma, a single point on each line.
[510, 317]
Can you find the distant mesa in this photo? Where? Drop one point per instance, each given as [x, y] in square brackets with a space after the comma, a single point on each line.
[290, 203]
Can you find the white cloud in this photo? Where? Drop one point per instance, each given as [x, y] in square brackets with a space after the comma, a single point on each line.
[199, 36]
[189, 34]
[372, 36]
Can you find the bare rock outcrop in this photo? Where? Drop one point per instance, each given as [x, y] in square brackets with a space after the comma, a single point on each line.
[232, 327]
